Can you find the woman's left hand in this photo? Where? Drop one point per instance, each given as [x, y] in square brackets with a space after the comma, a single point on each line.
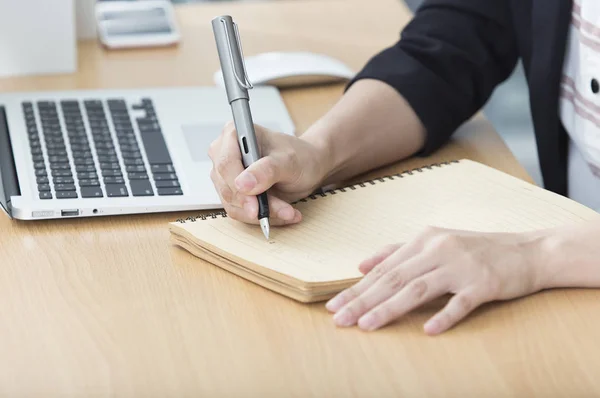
[475, 267]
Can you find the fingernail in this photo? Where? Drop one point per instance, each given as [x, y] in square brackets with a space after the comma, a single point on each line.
[287, 214]
[334, 304]
[343, 318]
[245, 181]
[297, 215]
[432, 327]
[367, 322]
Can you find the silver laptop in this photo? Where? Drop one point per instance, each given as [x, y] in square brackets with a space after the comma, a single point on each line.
[105, 152]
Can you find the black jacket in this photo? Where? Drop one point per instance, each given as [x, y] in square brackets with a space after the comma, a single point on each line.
[454, 53]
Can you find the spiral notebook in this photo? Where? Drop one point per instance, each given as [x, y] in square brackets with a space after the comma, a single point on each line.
[317, 258]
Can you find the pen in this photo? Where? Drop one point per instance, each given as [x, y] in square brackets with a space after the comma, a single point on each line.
[231, 58]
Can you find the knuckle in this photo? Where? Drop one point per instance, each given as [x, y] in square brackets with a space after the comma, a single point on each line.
[229, 127]
[212, 149]
[357, 306]
[382, 313]
[417, 288]
[465, 302]
[269, 169]
[378, 271]
[350, 294]
[223, 164]
[394, 280]
[226, 194]
[445, 241]
[430, 231]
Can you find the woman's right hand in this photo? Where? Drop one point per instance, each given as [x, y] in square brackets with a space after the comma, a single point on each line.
[291, 168]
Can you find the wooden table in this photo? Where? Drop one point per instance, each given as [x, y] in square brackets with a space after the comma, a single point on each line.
[107, 307]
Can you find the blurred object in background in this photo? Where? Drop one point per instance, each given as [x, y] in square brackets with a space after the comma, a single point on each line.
[37, 37]
[86, 19]
[144, 23]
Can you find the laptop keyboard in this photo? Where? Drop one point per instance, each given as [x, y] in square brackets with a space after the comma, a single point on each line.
[104, 167]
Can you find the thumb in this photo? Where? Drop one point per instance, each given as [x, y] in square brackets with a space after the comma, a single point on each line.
[263, 174]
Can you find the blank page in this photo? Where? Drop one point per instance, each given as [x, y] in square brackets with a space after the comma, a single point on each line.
[341, 229]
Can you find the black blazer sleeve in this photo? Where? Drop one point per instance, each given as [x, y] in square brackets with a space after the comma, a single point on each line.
[448, 61]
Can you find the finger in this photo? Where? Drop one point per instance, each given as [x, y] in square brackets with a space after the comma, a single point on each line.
[384, 288]
[268, 171]
[459, 306]
[280, 212]
[416, 293]
[240, 215]
[228, 162]
[224, 191]
[368, 264]
[404, 253]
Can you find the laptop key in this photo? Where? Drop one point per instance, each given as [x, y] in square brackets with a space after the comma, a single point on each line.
[156, 148]
[56, 152]
[131, 155]
[64, 187]
[85, 154]
[91, 192]
[137, 176]
[169, 191]
[135, 169]
[43, 187]
[110, 166]
[167, 184]
[60, 166]
[162, 168]
[89, 183]
[58, 159]
[133, 162]
[66, 195]
[141, 188]
[87, 176]
[114, 180]
[62, 173]
[116, 190]
[165, 176]
[41, 173]
[90, 168]
[63, 180]
[112, 173]
[42, 180]
[46, 195]
[39, 165]
[106, 152]
[36, 151]
[108, 159]
[84, 161]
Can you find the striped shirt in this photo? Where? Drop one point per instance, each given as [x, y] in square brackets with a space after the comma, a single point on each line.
[580, 102]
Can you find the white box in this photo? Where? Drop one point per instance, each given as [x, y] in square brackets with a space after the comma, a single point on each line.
[37, 37]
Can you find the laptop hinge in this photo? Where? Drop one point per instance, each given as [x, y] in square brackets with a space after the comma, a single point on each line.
[9, 184]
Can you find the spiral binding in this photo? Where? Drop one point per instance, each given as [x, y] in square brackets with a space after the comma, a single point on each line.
[335, 191]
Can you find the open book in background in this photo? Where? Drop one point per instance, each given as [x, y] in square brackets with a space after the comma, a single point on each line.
[317, 258]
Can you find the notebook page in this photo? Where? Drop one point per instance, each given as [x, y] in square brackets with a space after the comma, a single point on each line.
[338, 231]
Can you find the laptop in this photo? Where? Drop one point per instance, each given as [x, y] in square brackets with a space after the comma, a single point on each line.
[111, 152]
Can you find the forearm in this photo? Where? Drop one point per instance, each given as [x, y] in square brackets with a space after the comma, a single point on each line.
[571, 257]
[371, 126]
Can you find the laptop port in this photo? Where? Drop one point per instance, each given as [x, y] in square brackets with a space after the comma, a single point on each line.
[69, 213]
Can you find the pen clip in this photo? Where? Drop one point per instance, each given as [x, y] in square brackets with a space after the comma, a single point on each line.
[246, 83]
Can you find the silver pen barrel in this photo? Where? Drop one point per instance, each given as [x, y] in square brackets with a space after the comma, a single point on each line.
[230, 56]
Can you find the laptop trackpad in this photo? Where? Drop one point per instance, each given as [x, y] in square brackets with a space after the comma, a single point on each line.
[198, 138]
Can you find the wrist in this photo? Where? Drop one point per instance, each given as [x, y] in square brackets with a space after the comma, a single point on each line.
[319, 139]
[553, 257]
